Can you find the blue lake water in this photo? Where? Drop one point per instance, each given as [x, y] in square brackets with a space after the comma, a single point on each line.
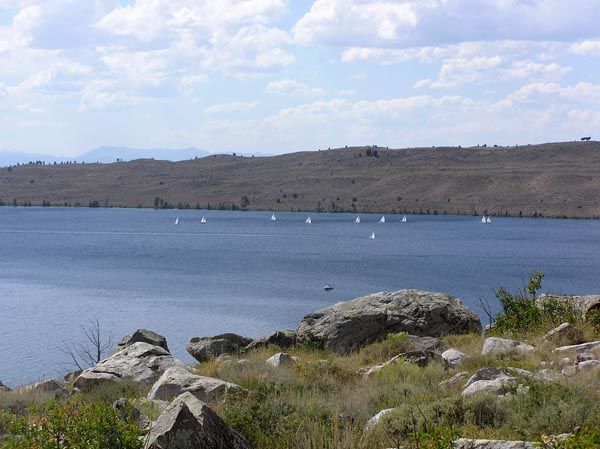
[241, 272]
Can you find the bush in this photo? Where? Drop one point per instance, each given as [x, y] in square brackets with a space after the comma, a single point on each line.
[523, 312]
[74, 425]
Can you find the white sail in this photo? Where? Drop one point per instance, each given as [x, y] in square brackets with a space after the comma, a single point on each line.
[382, 220]
[273, 217]
[483, 220]
[357, 220]
[203, 220]
[404, 219]
[308, 220]
[177, 221]
[488, 219]
[372, 236]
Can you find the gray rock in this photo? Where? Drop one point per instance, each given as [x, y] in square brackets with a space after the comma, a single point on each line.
[353, 324]
[188, 423]
[565, 334]
[281, 359]
[44, 386]
[581, 348]
[176, 381]
[3, 388]
[284, 339]
[206, 348]
[496, 345]
[375, 420]
[141, 362]
[588, 365]
[453, 357]
[489, 380]
[144, 336]
[71, 376]
[457, 379]
[465, 443]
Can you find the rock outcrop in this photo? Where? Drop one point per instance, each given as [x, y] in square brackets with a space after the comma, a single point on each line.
[465, 443]
[189, 423]
[497, 346]
[141, 362]
[353, 324]
[206, 348]
[284, 339]
[176, 381]
[144, 336]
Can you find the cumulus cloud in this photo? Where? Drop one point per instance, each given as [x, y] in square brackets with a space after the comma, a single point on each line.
[416, 23]
[235, 106]
[586, 48]
[291, 87]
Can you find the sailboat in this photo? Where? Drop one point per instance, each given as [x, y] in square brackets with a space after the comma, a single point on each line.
[308, 220]
[382, 220]
[403, 219]
[203, 220]
[273, 217]
[372, 236]
[357, 220]
[488, 219]
[483, 219]
[177, 221]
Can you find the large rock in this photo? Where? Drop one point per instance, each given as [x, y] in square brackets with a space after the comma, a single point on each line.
[465, 443]
[565, 334]
[489, 380]
[144, 336]
[188, 423]
[176, 381]
[352, 324]
[206, 348]
[496, 346]
[284, 339]
[140, 362]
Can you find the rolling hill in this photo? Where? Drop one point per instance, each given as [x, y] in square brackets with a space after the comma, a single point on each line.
[554, 179]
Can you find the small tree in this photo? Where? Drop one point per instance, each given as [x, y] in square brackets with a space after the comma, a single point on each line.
[92, 347]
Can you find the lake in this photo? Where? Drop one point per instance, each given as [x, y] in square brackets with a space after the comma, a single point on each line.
[241, 272]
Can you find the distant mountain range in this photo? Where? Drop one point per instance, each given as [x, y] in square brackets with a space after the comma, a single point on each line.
[107, 154]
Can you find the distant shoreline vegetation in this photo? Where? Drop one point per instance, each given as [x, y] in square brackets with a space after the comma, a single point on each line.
[95, 204]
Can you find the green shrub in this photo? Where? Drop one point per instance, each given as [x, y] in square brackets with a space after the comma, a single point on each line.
[74, 425]
[523, 312]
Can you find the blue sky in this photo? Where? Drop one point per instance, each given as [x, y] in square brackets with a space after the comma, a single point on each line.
[276, 76]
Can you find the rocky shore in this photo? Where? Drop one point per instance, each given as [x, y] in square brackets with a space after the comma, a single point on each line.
[420, 325]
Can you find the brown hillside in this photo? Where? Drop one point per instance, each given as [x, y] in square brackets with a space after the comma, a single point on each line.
[556, 179]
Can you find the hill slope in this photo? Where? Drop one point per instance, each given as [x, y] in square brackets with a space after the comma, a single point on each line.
[556, 179]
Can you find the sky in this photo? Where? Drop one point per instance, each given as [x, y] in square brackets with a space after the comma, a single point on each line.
[276, 76]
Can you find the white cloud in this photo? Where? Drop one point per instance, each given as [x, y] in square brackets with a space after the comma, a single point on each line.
[415, 23]
[586, 48]
[291, 87]
[235, 106]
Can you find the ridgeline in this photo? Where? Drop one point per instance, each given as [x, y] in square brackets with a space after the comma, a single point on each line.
[549, 180]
